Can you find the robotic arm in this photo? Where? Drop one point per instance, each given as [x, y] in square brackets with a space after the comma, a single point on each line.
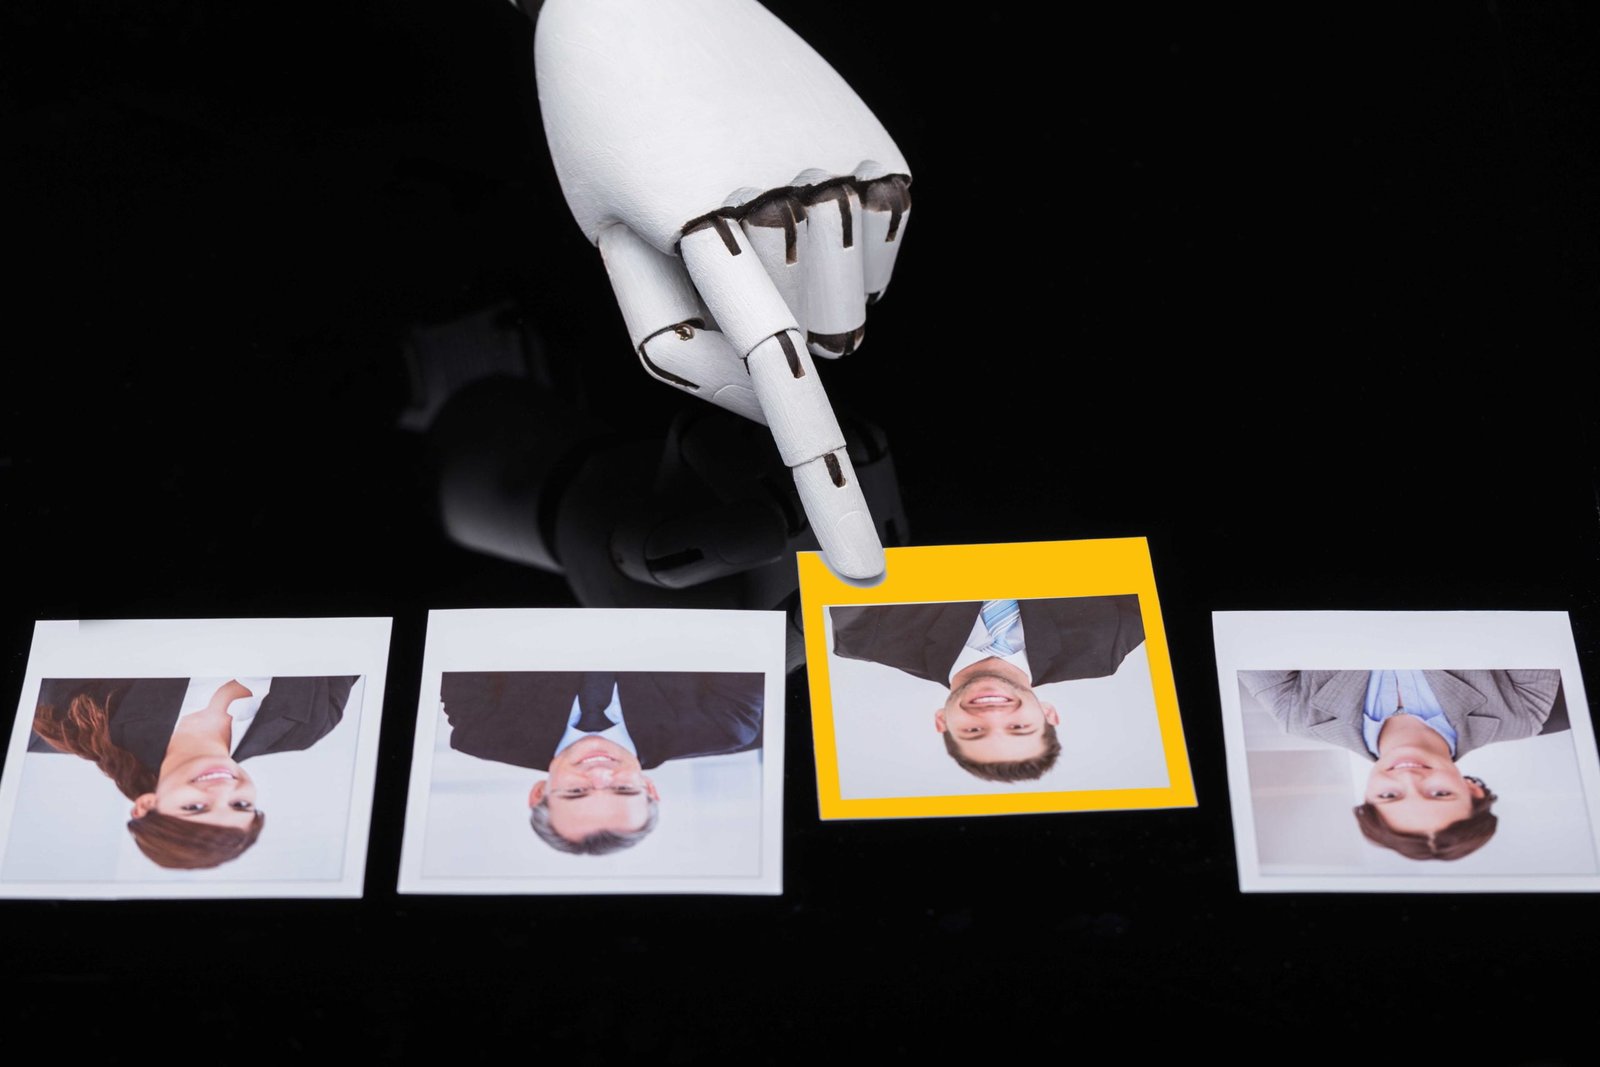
[748, 207]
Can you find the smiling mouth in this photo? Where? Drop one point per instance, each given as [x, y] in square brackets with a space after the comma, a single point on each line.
[990, 702]
[597, 758]
[216, 774]
[1410, 765]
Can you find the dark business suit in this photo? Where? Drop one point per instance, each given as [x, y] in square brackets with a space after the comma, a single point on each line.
[1066, 638]
[519, 717]
[296, 713]
[1482, 706]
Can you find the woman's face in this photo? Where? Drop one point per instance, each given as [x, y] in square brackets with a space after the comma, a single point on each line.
[1415, 791]
[206, 789]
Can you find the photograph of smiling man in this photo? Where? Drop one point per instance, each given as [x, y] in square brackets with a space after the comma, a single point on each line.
[991, 654]
[595, 733]
[598, 751]
[992, 680]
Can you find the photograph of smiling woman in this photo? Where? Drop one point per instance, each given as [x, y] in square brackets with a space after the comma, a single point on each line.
[1414, 725]
[169, 746]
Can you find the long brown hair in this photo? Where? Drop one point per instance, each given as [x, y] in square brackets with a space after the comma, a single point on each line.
[83, 728]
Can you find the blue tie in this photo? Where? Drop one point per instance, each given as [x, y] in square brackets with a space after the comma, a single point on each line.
[999, 616]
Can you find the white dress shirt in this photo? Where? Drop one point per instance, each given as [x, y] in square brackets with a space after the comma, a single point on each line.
[241, 711]
[977, 648]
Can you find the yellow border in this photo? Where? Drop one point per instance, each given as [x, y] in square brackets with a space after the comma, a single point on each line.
[983, 572]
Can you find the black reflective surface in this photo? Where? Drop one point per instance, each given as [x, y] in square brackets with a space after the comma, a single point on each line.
[1299, 296]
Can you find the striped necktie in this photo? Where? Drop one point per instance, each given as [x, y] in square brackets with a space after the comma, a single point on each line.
[999, 616]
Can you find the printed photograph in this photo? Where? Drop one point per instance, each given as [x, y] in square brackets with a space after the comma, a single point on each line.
[994, 703]
[1444, 779]
[209, 783]
[599, 780]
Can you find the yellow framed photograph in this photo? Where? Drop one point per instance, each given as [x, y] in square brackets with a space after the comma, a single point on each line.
[993, 680]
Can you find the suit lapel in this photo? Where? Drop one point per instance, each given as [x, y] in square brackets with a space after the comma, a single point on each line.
[262, 735]
[529, 714]
[1461, 704]
[143, 719]
[1338, 706]
[1041, 639]
[944, 640]
[288, 703]
[649, 713]
[513, 717]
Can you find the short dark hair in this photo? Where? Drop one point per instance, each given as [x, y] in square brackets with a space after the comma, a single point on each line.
[1461, 838]
[1022, 770]
[596, 844]
[180, 843]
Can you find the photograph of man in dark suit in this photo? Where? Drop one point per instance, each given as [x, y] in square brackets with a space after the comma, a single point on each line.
[990, 655]
[596, 733]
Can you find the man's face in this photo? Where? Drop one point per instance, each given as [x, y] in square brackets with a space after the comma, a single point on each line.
[993, 714]
[595, 785]
[205, 789]
[1415, 791]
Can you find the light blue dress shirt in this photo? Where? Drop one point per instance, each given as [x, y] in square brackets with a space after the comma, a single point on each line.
[1403, 693]
[979, 646]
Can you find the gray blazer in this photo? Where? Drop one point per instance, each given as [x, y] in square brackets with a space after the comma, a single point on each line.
[1483, 706]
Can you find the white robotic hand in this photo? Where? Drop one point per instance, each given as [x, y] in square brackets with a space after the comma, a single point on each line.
[748, 207]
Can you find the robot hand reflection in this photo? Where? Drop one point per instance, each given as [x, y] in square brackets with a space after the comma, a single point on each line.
[748, 207]
[704, 518]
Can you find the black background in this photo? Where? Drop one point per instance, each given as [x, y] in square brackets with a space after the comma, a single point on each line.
[1304, 296]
